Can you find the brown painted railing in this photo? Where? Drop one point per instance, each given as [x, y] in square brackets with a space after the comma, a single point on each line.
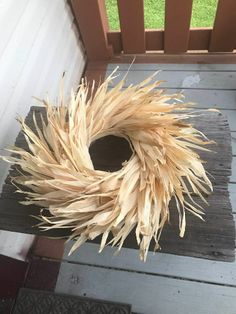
[177, 37]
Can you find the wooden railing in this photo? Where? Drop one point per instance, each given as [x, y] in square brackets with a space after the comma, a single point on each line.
[176, 38]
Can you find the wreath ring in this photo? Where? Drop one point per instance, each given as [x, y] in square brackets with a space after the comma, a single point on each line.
[60, 174]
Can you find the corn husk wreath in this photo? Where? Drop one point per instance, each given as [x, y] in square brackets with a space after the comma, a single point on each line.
[164, 164]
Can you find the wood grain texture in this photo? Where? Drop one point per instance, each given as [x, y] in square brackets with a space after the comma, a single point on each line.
[177, 25]
[131, 15]
[212, 239]
[224, 31]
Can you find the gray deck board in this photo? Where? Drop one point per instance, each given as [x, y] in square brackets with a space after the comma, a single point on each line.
[232, 193]
[158, 264]
[181, 79]
[219, 99]
[173, 67]
[148, 294]
[233, 140]
[233, 175]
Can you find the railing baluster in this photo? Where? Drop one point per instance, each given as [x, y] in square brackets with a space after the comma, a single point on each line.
[223, 37]
[93, 25]
[177, 25]
[131, 14]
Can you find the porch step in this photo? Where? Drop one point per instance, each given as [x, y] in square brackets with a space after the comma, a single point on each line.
[37, 302]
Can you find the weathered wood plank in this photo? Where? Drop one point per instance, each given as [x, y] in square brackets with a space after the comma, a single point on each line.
[182, 79]
[213, 239]
[147, 293]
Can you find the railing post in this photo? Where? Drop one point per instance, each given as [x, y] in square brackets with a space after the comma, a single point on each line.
[93, 25]
[131, 14]
[223, 36]
[177, 25]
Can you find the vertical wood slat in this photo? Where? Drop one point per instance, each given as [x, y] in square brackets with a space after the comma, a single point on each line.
[131, 14]
[177, 25]
[223, 38]
[93, 25]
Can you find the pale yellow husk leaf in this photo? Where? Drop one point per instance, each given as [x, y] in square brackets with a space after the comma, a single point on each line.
[164, 164]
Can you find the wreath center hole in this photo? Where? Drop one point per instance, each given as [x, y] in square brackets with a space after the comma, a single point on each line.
[109, 152]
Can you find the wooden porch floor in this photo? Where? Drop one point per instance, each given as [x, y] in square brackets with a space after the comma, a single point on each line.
[165, 283]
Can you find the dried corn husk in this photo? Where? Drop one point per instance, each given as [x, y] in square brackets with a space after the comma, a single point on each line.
[164, 164]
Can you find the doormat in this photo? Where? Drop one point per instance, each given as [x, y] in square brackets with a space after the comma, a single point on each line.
[44, 302]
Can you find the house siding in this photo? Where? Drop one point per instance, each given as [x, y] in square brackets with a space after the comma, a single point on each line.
[38, 43]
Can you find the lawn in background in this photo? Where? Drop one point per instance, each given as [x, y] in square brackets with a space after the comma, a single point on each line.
[202, 16]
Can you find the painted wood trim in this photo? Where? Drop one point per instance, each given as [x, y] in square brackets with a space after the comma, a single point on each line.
[49, 248]
[191, 57]
[223, 36]
[199, 39]
[131, 15]
[114, 39]
[177, 25]
[93, 25]
[154, 40]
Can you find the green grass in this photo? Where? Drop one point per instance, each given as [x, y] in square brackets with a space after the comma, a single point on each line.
[202, 16]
